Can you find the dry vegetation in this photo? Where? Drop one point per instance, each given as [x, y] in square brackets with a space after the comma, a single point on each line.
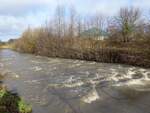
[127, 40]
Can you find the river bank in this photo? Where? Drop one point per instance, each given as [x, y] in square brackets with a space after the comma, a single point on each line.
[6, 46]
[121, 54]
[11, 102]
[109, 54]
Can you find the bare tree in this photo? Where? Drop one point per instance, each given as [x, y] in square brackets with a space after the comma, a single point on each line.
[79, 26]
[98, 23]
[127, 21]
[60, 20]
[72, 24]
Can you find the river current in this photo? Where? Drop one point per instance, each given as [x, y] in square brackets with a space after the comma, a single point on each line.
[53, 85]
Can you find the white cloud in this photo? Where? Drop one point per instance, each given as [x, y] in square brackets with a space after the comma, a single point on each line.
[11, 26]
[20, 7]
[17, 15]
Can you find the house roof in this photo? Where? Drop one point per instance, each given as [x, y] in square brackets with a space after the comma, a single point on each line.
[94, 32]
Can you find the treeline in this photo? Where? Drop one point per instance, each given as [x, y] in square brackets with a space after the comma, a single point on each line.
[124, 38]
[2, 43]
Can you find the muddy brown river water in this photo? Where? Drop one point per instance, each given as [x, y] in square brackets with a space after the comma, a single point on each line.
[53, 85]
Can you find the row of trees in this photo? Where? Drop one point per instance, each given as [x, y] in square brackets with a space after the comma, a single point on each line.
[74, 36]
[1, 43]
[126, 26]
[72, 24]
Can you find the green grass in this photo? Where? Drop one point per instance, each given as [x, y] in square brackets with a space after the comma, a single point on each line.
[12, 103]
[23, 107]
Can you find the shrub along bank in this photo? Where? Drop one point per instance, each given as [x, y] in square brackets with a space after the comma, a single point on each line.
[12, 103]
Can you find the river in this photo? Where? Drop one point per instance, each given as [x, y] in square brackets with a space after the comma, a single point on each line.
[53, 85]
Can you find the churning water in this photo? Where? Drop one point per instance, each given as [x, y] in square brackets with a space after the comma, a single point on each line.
[72, 86]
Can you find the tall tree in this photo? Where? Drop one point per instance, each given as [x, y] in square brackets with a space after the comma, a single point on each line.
[79, 26]
[60, 20]
[72, 24]
[126, 22]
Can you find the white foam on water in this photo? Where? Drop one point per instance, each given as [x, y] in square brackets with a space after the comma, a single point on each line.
[91, 96]
[76, 84]
[130, 72]
[70, 79]
[145, 74]
[76, 61]
[16, 76]
[54, 68]
[93, 81]
[36, 62]
[138, 84]
[84, 72]
[143, 70]
[67, 85]
[113, 70]
[75, 65]
[34, 81]
[31, 81]
[36, 68]
[81, 61]
[97, 75]
[50, 69]
[72, 82]
[115, 75]
[130, 83]
[141, 84]
[92, 63]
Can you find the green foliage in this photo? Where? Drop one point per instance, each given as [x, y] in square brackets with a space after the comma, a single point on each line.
[11, 103]
[2, 93]
[23, 107]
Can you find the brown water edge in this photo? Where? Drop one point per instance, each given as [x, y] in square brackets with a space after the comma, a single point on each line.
[103, 55]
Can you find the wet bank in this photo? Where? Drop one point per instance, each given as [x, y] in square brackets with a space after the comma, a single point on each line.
[10, 102]
[74, 86]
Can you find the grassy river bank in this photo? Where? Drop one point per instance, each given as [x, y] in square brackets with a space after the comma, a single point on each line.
[11, 102]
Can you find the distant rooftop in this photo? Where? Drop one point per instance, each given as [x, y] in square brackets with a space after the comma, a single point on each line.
[94, 32]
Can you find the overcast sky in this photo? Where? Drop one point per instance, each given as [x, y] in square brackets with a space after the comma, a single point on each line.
[17, 15]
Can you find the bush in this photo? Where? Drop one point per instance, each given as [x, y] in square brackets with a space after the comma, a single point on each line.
[12, 103]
